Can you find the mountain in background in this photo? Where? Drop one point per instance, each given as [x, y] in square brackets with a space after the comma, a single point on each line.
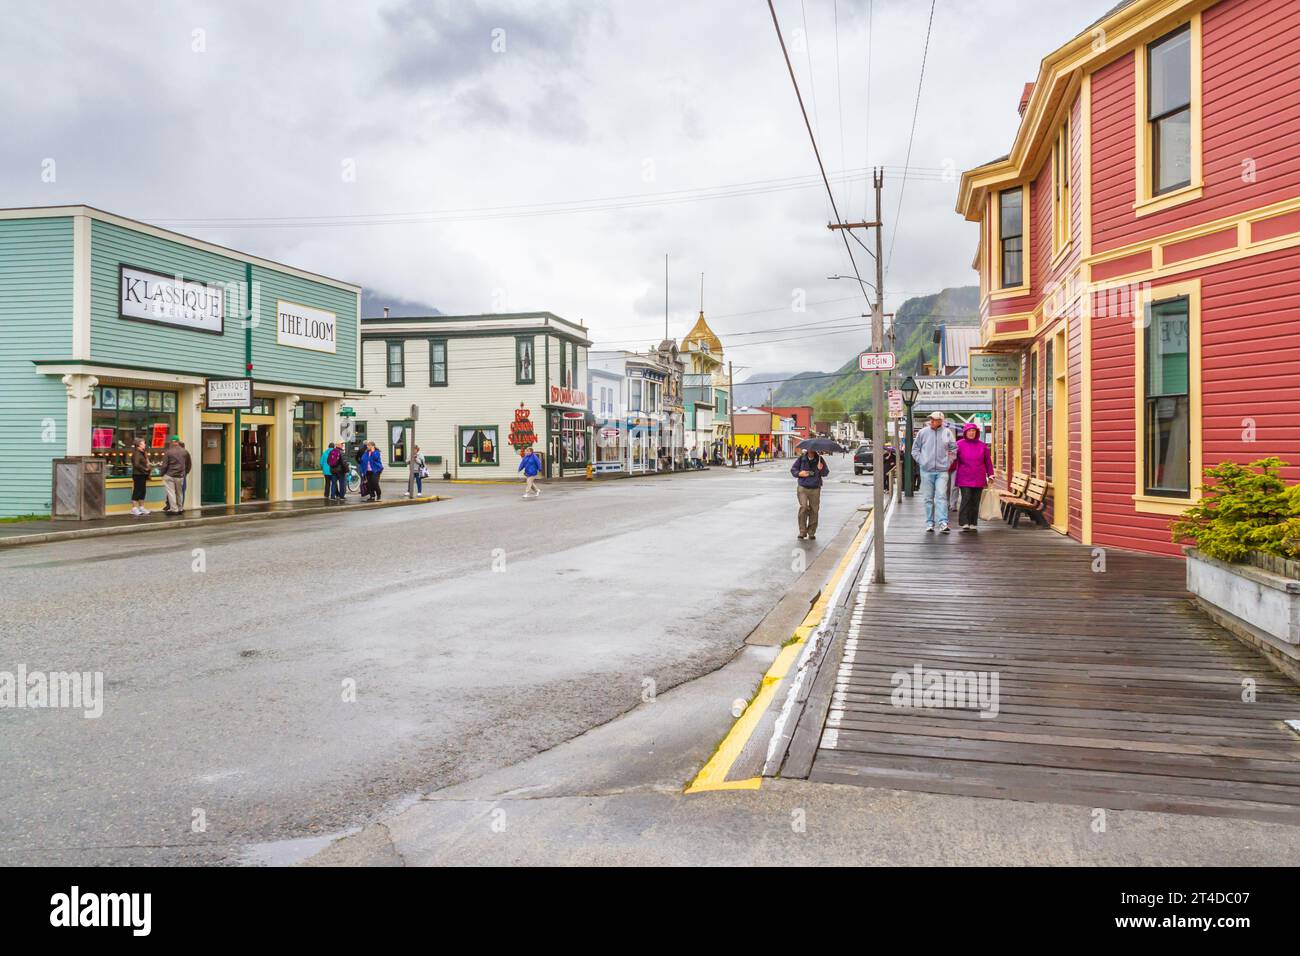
[848, 390]
[373, 304]
[754, 390]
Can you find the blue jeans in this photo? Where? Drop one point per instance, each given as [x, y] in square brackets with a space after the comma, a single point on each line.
[934, 490]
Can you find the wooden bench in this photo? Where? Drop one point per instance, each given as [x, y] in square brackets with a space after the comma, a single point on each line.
[1031, 503]
[1019, 484]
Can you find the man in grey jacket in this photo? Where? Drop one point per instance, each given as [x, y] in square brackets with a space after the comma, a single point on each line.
[176, 465]
[934, 450]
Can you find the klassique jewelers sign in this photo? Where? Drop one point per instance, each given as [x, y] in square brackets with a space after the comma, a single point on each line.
[170, 300]
[230, 393]
[303, 327]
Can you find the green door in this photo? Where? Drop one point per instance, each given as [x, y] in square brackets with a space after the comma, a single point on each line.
[213, 465]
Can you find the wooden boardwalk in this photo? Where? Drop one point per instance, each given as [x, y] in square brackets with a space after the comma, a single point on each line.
[1113, 689]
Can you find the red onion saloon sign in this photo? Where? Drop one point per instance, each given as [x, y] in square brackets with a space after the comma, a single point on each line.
[303, 327]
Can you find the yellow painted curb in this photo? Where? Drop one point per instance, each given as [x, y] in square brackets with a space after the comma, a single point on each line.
[713, 775]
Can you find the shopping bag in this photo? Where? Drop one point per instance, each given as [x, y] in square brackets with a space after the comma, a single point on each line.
[990, 506]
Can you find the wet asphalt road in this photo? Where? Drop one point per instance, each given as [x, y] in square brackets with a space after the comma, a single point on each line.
[225, 688]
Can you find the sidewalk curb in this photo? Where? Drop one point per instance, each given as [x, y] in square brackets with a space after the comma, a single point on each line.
[791, 661]
[45, 537]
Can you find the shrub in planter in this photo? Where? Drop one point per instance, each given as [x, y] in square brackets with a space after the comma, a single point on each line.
[1246, 508]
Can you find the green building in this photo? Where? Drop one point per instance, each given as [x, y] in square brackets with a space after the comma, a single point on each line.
[111, 329]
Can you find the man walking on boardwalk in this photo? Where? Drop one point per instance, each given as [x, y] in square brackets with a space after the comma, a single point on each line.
[934, 450]
[810, 468]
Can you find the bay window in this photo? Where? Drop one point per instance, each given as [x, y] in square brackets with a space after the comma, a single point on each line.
[1011, 237]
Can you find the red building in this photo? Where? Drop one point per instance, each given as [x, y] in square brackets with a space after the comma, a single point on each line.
[802, 415]
[1140, 254]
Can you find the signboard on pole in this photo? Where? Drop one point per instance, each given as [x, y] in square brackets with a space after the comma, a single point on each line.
[230, 393]
[949, 389]
[895, 403]
[876, 361]
[994, 369]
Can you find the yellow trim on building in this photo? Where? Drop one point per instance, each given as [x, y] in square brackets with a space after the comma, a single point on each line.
[1060, 338]
[1242, 248]
[1026, 241]
[1144, 297]
[1105, 42]
[1145, 203]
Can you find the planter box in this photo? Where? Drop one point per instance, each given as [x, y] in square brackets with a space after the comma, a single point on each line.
[1259, 606]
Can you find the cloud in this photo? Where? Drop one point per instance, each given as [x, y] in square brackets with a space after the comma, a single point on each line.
[578, 102]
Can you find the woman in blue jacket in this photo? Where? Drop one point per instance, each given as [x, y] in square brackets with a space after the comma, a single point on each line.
[530, 465]
[372, 466]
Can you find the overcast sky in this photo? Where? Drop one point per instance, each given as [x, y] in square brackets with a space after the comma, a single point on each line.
[406, 126]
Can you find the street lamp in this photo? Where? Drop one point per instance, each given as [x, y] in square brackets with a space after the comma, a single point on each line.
[910, 391]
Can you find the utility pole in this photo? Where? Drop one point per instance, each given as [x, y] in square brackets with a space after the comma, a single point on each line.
[879, 409]
[731, 411]
[878, 397]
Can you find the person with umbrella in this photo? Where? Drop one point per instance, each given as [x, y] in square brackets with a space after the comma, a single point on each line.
[809, 469]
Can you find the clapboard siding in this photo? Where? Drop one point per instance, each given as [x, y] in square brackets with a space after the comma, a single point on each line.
[35, 323]
[1250, 93]
[123, 341]
[1250, 388]
[114, 340]
[480, 390]
[282, 363]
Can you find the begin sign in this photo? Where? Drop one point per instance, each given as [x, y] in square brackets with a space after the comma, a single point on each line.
[876, 361]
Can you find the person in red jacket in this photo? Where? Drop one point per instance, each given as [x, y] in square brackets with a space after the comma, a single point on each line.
[972, 470]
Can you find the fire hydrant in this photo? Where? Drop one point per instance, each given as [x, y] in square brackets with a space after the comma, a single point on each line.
[591, 472]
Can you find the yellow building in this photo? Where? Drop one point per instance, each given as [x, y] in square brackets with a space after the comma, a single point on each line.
[706, 391]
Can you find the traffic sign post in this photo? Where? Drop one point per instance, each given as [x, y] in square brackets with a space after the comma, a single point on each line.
[876, 361]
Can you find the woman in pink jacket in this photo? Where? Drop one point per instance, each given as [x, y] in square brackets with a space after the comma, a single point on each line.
[972, 471]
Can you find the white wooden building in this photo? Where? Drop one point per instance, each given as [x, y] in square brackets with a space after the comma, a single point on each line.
[472, 390]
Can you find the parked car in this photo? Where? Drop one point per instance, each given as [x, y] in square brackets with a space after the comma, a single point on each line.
[862, 459]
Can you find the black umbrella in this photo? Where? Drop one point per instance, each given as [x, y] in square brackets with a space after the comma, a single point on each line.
[823, 446]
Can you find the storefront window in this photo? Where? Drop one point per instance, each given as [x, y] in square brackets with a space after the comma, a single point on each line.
[121, 415]
[308, 420]
[1033, 414]
[478, 445]
[399, 438]
[1049, 382]
[573, 441]
[1168, 408]
[609, 445]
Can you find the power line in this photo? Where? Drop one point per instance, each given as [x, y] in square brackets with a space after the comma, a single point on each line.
[839, 96]
[916, 108]
[816, 152]
[871, 36]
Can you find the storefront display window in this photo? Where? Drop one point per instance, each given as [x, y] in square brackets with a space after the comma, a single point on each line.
[1167, 400]
[478, 445]
[573, 440]
[121, 415]
[307, 425]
